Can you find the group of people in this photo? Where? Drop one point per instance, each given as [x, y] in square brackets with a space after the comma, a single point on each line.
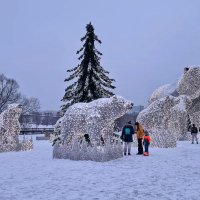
[143, 138]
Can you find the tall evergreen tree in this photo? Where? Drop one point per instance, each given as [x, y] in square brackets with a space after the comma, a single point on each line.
[91, 80]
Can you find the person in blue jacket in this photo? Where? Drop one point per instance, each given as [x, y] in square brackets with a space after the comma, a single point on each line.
[127, 137]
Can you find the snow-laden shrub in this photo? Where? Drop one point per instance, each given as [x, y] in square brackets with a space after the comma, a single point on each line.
[26, 144]
[163, 91]
[165, 119]
[77, 150]
[195, 118]
[96, 119]
[10, 129]
[163, 138]
[188, 85]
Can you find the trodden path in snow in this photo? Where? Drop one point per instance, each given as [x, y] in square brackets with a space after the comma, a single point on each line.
[165, 174]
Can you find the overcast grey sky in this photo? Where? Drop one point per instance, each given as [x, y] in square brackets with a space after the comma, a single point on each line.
[145, 43]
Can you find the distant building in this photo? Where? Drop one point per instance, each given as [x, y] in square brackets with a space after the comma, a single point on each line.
[50, 113]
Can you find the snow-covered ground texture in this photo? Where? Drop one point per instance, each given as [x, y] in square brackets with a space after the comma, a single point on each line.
[167, 174]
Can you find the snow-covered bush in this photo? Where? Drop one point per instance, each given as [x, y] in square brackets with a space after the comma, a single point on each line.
[10, 129]
[96, 119]
[187, 85]
[56, 136]
[26, 144]
[165, 119]
[195, 118]
[77, 150]
[163, 91]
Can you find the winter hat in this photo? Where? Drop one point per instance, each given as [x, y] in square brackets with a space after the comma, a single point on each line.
[146, 133]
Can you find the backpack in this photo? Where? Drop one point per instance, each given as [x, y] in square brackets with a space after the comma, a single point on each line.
[194, 130]
[127, 131]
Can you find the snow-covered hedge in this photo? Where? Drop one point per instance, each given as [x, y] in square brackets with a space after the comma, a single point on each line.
[10, 129]
[84, 151]
[171, 107]
[96, 119]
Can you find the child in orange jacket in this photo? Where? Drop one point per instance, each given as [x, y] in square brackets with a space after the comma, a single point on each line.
[146, 141]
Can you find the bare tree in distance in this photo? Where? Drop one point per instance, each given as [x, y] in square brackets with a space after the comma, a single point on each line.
[8, 92]
[29, 105]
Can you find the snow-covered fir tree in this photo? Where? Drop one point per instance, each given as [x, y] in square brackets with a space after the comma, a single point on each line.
[90, 79]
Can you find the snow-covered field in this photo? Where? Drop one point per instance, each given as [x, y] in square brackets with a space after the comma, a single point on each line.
[165, 174]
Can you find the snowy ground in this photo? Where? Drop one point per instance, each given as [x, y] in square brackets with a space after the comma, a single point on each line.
[166, 174]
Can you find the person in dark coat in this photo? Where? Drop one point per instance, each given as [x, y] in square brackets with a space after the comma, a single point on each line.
[194, 132]
[127, 137]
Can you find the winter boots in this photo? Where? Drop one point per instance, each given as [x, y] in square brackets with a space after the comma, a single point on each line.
[128, 154]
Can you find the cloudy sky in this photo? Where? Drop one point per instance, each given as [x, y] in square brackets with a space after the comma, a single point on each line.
[144, 43]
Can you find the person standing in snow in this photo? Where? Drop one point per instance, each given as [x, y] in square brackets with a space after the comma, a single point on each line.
[147, 140]
[194, 132]
[140, 135]
[127, 137]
